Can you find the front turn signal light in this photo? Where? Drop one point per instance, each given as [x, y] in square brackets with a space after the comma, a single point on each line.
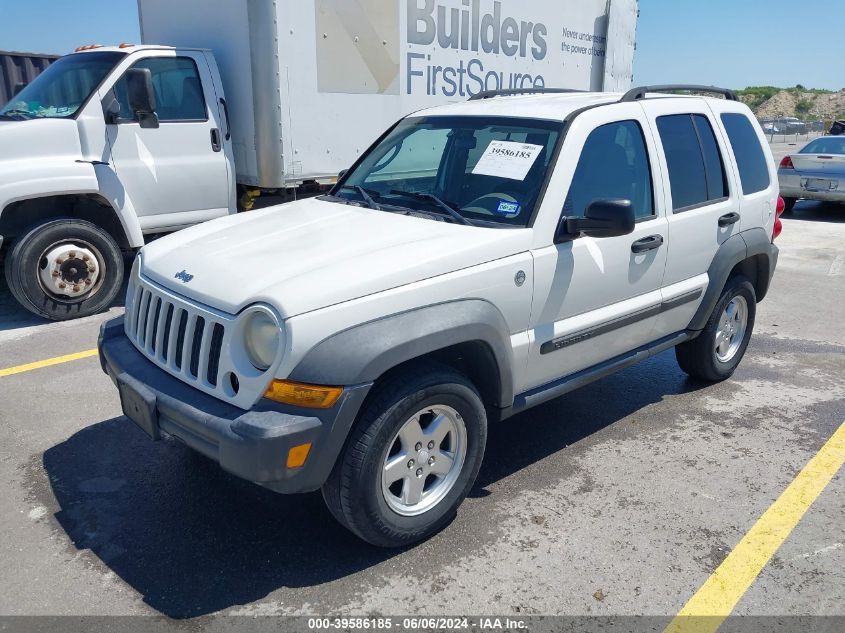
[302, 395]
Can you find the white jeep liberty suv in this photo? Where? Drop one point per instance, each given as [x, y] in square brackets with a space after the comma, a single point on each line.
[479, 259]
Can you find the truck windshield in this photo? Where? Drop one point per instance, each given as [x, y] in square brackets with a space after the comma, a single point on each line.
[487, 169]
[60, 90]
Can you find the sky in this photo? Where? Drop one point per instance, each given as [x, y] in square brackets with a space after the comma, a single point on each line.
[731, 43]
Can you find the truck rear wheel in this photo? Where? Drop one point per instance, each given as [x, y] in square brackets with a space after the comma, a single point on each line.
[411, 458]
[64, 269]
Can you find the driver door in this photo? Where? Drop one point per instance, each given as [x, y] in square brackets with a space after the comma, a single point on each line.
[598, 298]
[177, 174]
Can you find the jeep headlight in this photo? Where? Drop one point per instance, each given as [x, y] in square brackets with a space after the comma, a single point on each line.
[262, 337]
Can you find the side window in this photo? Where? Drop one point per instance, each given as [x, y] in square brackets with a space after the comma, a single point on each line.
[752, 163]
[696, 169]
[613, 164]
[178, 90]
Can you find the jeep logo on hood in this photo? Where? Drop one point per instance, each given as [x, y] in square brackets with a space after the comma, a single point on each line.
[183, 276]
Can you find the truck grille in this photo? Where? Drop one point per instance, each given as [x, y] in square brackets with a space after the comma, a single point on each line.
[180, 337]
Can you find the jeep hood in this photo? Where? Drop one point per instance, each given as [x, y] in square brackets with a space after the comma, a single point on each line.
[313, 253]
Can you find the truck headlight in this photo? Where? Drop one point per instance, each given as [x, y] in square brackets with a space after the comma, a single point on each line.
[262, 337]
[136, 267]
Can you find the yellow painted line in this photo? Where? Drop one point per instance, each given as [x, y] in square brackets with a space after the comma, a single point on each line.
[708, 608]
[58, 360]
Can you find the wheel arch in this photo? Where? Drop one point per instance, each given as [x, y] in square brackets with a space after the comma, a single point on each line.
[17, 216]
[468, 335]
[751, 254]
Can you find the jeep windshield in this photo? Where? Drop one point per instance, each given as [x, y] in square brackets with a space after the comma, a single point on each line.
[487, 170]
[59, 91]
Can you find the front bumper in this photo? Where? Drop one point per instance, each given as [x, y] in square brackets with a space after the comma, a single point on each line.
[251, 444]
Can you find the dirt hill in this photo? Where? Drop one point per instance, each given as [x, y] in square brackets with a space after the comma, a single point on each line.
[801, 104]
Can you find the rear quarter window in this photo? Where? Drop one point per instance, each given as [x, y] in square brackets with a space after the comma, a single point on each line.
[750, 158]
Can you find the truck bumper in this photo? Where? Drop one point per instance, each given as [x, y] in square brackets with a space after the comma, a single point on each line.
[250, 444]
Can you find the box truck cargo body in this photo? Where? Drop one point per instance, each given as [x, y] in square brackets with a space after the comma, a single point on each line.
[228, 99]
[311, 83]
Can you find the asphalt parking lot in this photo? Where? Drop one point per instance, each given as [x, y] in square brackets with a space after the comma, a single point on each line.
[619, 499]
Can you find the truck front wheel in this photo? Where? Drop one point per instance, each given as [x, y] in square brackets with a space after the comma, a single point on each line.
[411, 458]
[64, 269]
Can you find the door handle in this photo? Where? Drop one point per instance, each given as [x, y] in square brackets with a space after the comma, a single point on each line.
[647, 244]
[226, 114]
[728, 219]
[215, 140]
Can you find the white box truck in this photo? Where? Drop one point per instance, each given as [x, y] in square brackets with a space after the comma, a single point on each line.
[228, 99]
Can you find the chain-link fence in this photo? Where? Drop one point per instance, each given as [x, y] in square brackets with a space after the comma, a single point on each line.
[792, 129]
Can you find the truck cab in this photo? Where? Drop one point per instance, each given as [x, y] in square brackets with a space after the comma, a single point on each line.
[107, 145]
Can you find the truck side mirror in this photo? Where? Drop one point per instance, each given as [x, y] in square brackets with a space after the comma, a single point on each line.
[111, 110]
[602, 218]
[142, 99]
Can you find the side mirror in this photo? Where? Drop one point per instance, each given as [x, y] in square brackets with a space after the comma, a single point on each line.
[341, 174]
[142, 99]
[17, 89]
[603, 218]
[112, 111]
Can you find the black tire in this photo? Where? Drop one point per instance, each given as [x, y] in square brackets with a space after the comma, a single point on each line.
[25, 260]
[353, 491]
[698, 357]
[789, 205]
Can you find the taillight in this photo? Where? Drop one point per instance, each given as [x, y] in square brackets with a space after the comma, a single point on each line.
[786, 163]
[779, 209]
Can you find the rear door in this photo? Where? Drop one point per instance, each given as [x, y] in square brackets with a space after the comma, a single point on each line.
[702, 198]
[176, 174]
[752, 164]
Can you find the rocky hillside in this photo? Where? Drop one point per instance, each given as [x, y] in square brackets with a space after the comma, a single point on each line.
[815, 104]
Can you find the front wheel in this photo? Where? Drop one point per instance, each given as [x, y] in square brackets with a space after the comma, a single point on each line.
[715, 353]
[64, 269]
[411, 458]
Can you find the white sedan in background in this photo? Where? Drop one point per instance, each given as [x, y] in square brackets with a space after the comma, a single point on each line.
[816, 172]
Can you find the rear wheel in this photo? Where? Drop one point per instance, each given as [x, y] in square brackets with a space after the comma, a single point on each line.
[64, 269]
[789, 204]
[411, 458]
[715, 353]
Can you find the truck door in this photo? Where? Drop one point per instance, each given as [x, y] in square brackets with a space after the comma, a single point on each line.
[177, 174]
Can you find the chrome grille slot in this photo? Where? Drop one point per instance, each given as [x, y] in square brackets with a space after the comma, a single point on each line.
[185, 339]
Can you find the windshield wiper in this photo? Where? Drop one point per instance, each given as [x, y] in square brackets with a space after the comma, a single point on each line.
[22, 115]
[430, 197]
[372, 204]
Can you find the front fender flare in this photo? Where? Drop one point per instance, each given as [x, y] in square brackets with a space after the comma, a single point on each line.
[364, 352]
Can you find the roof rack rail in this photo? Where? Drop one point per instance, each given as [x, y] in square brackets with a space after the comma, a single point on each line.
[635, 94]
[489, 94]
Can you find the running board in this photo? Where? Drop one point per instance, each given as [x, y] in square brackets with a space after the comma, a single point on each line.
[560, 387]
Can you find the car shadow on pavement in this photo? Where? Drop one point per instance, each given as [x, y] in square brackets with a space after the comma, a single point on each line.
[813, 211]
[187, 536]
[544, 430]
[192, 539]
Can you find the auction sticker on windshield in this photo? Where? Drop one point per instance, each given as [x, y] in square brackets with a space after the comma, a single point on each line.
[507, 159]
